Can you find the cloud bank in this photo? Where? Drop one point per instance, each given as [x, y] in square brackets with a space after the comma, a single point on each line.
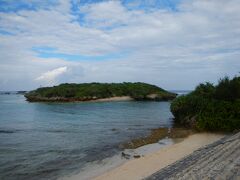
[175, 44]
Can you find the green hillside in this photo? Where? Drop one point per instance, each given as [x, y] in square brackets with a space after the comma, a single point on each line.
[94, 91]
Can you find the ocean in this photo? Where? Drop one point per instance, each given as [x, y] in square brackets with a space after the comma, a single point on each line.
[52, 140]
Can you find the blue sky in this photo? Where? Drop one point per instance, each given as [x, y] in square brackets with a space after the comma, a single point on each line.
[48, 53]
[18, 5]
[171, 43]
[9, 6]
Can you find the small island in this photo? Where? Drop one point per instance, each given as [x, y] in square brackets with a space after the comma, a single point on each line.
[99, 92]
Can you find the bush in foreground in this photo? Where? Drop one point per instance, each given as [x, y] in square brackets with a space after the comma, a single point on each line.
[209, 107]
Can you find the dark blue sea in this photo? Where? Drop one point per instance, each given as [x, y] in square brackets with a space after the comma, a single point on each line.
[52, 140]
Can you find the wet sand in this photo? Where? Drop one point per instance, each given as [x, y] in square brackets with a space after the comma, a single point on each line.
[145, 166]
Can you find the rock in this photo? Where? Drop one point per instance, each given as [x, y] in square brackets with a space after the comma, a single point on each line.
[136, 156]
[127, 156]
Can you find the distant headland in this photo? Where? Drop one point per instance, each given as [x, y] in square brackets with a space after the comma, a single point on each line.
[100, 92]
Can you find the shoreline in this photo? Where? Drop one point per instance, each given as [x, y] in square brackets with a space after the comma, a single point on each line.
[145, 166]
[157, 135]
[151, 97]
[97, 168]
[112, 99]
[153, 157]
[66, 100]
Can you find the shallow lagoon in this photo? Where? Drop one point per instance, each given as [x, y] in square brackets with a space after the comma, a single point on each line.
[51, 140]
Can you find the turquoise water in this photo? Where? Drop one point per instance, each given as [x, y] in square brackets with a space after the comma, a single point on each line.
[49, 140]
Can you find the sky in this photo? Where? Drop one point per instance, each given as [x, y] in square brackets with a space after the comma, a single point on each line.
[174, 44]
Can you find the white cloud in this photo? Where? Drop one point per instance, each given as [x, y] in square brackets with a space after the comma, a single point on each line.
[50, 77]
[175, 50]
[105, 14]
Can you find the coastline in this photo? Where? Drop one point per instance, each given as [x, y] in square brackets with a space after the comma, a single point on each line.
[149, 164]
[151, 97]
[112, 99]
[67, 100]
[153, 159]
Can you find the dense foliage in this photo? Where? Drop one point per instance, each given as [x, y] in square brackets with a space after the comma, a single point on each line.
[210, 107]
[92, 91]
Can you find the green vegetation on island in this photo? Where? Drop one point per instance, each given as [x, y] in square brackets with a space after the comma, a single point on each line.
[95, 91]
[209, 107]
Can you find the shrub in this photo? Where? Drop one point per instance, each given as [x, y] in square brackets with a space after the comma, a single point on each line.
[214, 108]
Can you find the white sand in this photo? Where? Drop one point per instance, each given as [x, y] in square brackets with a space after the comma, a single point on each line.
[117, 98]
[153, 160]
[96, 168]
[147, 165]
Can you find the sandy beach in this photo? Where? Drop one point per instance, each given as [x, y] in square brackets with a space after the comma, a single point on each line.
[151, 162]
[117, 98]
[147, 165]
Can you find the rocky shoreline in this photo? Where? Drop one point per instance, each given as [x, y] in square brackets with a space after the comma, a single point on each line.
[158, 134]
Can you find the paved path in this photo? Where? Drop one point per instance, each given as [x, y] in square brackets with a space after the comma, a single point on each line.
[220, 160]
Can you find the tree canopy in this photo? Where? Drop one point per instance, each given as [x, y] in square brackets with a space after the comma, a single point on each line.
[92, 91]
[210, 107]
